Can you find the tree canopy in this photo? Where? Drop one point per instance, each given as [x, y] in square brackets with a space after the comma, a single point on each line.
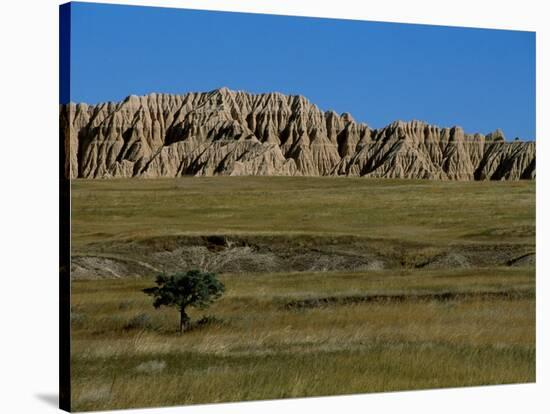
[182, 289]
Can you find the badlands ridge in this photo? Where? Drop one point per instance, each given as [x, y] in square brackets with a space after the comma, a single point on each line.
[225, 132]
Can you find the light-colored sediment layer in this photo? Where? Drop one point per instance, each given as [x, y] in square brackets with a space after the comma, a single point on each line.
[226, 132]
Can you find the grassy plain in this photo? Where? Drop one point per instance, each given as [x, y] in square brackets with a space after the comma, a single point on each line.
[409, 210]
[295, 334]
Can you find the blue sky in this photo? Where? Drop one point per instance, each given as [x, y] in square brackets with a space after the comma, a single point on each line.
[379, 72]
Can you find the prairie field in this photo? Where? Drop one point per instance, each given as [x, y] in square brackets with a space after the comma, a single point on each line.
[333, 286]
[433, 211]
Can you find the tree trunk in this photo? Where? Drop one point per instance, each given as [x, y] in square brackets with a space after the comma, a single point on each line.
[184, 321]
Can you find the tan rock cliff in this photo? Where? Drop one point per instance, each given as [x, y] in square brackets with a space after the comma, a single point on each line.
[226, 132]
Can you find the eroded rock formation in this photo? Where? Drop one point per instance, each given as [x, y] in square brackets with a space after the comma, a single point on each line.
[226, 132]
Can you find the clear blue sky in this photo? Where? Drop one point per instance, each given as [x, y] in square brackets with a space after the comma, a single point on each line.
[379, 72]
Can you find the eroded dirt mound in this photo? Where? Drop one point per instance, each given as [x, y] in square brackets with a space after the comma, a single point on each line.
[102, 267]
[258, 254]
[528, 259]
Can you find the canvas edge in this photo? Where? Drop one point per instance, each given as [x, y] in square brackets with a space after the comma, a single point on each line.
[64, 217]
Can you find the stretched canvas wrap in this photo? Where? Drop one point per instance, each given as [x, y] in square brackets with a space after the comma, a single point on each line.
[260, 207]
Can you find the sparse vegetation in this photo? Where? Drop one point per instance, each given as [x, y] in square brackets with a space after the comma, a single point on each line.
[265, 349]
[442, 315]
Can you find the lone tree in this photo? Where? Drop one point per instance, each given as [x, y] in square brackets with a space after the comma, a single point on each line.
[193, 288]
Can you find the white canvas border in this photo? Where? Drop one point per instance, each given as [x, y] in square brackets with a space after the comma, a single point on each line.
[29, 174]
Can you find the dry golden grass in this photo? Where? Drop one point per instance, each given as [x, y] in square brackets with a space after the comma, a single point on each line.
[258, 349]
[278, 335]
[407, 210]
